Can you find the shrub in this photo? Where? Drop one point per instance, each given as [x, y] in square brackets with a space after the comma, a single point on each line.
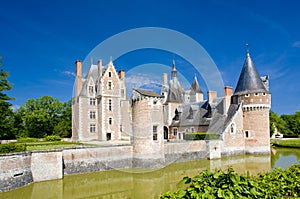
[200, 136]
[12, 147]
[52, 138]
[27, 139]
[219, 184]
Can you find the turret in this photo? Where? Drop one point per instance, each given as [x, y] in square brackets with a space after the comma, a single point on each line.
[255, 99]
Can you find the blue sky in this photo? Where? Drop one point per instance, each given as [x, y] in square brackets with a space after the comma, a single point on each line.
[40, 40]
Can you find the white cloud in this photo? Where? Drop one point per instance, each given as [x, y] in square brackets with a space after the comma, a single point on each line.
[15, 108]
[296, 44]
[141, 80]
[69, 73]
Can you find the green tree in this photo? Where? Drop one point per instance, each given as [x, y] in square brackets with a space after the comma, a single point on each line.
[39, 117]
[64, 127]
[293, 122]
[6, 113]
[279, 123]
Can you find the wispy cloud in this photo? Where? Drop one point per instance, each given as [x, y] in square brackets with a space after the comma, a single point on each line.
[69, 73]
[141, 80]
[296, 44]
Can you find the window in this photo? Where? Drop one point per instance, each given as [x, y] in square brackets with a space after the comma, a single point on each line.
[110, 121]
[247, 95]
[109, 85]
[232, 128]
[122, 92]
[109, 74]
[175, 132]
[91, 89]
[264, 94]
[154, 132]
[92, 101]
[246, 134]
[256, 94]
[192, 129]
[92, 114]
[121, 127]
[92, 128]
[109, 105]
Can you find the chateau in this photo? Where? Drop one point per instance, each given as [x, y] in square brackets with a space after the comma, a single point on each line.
[103, 111]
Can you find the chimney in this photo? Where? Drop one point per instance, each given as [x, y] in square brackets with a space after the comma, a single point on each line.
[122, 74]
[164, 79]
[78, 64]
[99, 68]
[211, 95]
[228, 91]
[227, 96]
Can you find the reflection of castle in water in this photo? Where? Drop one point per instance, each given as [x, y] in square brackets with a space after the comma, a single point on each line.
[121, 184]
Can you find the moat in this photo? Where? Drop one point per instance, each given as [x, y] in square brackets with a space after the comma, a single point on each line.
[134, 183]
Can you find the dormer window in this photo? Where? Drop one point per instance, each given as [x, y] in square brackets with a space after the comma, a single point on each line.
[247, 95]
[91, 89]
[256, 94]
[264, 94]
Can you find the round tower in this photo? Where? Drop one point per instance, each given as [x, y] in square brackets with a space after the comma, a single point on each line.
[254, 97]
[147, 119]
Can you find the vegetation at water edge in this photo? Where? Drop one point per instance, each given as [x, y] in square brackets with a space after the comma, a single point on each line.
[228, 184]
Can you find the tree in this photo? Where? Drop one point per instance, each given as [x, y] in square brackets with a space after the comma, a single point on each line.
[6, 113]
[64, 126]
[39, 117]
[279, 123]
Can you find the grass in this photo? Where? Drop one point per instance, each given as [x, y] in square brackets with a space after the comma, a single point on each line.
[30, 146]
[292, 142]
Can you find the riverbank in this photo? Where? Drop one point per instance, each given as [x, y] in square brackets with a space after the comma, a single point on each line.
[286, 142]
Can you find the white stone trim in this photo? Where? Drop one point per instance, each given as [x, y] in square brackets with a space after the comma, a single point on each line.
[256, 107]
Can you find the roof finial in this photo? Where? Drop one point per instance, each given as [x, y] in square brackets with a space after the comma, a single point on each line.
[110, 59]
[247, 49]
[173, 61]
[92, 60]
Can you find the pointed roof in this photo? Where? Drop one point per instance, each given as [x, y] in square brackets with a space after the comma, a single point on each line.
[174, 70]
[195, 88]
[249, 81]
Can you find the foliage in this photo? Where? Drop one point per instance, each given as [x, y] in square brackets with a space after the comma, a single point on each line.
[44, 116]
[51, 138]
[220, 184]
[6, 113]
[200, 136]
[12, 147]
[295, 143]
[27, 139]
[286, 124]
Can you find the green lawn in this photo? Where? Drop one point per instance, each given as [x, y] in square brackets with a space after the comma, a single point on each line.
[50, 145]
[291, 142]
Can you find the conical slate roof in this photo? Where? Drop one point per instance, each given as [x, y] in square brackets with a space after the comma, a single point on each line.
[176, 92]
[249, 81]
[195, 88]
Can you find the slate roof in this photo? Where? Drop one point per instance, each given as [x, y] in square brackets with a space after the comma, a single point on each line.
[249, 81]
[192, 115]
[147, 93]
[93, 73]
[195, 88]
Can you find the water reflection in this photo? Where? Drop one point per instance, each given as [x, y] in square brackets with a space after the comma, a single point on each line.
[120, 184]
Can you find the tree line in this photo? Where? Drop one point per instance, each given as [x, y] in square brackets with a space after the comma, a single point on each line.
[36, 118]
[288, 125]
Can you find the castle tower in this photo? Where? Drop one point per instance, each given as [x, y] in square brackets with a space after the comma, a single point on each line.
[147, 117]
[175, 98]
[255, 99]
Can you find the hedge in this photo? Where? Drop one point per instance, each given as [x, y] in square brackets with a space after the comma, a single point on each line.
[200, 136]
[12, 147]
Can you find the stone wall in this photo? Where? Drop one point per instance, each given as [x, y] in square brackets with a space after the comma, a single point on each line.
[15, 171]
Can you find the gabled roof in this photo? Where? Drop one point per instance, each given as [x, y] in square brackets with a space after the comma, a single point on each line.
[195, 88]
[92, 74]
[249, 81]
[147, 93]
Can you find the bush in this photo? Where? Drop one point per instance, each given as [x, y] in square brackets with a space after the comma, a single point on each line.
[200, 136]
[12, 147]
[219, 184]
[290, 136]
[27, 139]
[52, 138]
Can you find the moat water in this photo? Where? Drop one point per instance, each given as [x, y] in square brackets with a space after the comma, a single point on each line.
[133, 183]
